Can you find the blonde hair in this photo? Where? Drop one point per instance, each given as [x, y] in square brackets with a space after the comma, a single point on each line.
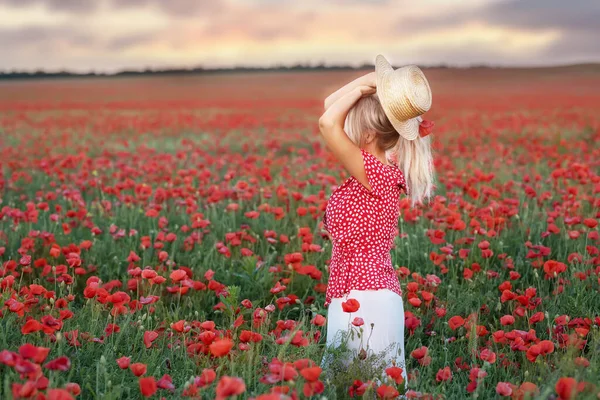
[413, 157]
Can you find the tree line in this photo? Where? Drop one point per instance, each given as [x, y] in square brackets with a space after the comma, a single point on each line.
[176, 71]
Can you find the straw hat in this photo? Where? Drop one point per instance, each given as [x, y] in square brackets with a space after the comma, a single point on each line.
[404, 94]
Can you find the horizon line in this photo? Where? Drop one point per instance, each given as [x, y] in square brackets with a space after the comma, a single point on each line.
[17, 73]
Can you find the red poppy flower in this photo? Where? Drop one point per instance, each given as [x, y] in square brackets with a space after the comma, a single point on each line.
[456, 322]
[311, 374]
[149, 337]
[443, 375]
[61, 363]
[31, 326]
[387, 392]
[58, 394]
[124, 362]
[566, 388]
[221, 347]
[178, 275]
[425, 127]
[138, 369]
[147, 386]
[230, 386]
[504, 389]
[166, 382]
[350, 305]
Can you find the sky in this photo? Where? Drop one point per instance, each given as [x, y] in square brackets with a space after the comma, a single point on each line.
[111, 35]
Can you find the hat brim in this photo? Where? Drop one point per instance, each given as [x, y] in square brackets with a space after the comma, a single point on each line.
[408, 129]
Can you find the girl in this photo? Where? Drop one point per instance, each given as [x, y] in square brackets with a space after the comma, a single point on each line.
[366, 124]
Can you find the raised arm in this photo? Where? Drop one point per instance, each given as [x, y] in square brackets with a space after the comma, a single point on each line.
[331, 125]
[369, 79]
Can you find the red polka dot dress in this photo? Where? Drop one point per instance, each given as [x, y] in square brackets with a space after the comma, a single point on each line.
[363, 225]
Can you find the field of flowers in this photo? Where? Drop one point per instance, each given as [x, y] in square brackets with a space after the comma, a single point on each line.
[162, 238]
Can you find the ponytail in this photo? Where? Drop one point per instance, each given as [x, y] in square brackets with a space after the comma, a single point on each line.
[415, 159]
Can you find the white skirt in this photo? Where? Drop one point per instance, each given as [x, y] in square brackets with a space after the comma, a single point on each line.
[383, 330]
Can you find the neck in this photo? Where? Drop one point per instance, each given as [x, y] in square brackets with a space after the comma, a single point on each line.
[379, 154]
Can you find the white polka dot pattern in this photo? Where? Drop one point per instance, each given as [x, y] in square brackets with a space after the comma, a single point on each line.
[362, 225]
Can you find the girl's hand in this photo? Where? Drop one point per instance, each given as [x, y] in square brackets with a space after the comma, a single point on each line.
[366, 90]
[336, 114]
[369, 79]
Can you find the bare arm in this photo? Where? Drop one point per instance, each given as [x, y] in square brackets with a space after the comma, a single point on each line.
[369, 79]
[331, 125]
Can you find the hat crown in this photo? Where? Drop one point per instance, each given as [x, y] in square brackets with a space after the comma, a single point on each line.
[405, 92]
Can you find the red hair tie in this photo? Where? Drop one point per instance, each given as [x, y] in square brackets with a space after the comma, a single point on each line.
[425, 127]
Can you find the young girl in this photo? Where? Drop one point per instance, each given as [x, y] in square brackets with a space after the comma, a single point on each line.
[367, 123]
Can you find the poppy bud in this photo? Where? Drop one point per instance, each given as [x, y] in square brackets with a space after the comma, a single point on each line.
[362, 354]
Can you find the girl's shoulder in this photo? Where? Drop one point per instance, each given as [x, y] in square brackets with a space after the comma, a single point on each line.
[381, 176]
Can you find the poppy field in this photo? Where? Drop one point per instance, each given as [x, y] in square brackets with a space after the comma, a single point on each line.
[163, 238]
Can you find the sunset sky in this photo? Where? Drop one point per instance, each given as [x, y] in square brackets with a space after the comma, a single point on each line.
[109, 35]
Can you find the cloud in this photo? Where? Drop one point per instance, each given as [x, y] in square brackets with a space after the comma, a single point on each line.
[577, 21]
[580, 15]
[74, 6]
[573, 47]
[178, 8]
[44, 37]
[575, 25]
[38, 47]
[125, 42]
[123, 32]
[261, 24]
[244, 25]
